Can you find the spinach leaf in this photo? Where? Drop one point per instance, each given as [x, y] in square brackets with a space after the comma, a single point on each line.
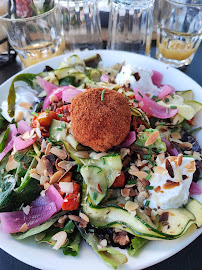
[72, 245]
[25, 155]
[136, 244]
[3, 142]
[109, 255]
[3, 171]
[26, 77]
[3, 122]
[7, 187]
[69, 227]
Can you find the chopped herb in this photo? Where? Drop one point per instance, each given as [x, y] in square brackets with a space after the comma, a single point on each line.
[135, 100]
[147, 171]
[195, 130]
[127, 97]
[103, 161]
[31, 108]
[47, 110]
[148, 177]
[154, 96]
[147, 203]
[78, 168]
[172, 95]
[149, 151]
[173, 107]
[126, 169]
[60, 115]
[102, 95]
[35, 114]
[99, 171]
[59, 129]
[157, 100]
[167, 110]
[153, 163]
[130, 182]
[152, 170]
[63, 125]
[94, 196]
[166, 99]
[91, 230]
[140, 94]
[148, 187]
[147, 156]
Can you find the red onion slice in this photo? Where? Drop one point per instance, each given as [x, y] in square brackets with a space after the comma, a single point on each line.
[104, 78]
[171, 150]
[68, 95]
[157, 78]
[195, 189]
[166, 90]
[47, 86]
[22, 144]
[23, 127]
[151, 107]
[128, 140]
[12, 222]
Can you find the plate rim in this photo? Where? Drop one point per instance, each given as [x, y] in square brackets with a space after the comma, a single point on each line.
[159, 64]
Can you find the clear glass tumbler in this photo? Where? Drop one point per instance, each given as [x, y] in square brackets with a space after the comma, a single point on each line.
[130, 25]
[82, 25]
[179, 31]
[34, 37]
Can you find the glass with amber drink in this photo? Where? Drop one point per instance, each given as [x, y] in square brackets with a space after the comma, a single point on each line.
[179, 31]
[34, 30]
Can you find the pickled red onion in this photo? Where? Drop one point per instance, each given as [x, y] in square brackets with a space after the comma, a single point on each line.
[157, 78]
[195, 189]
[166, 90]
[151, 107]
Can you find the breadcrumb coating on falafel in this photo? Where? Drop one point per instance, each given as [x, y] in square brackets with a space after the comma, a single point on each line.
[100, 119]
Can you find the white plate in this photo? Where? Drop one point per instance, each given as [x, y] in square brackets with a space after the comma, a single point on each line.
[44, 257]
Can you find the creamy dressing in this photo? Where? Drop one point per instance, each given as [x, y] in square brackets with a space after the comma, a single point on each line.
[141, 80]
[178, 193]
[24, 96]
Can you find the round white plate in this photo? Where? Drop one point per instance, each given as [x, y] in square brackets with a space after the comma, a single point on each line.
[44, 257]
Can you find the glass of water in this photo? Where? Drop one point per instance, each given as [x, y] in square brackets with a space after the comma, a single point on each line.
[82, 25]
[130, 25]
[35, 32]
[179, 31]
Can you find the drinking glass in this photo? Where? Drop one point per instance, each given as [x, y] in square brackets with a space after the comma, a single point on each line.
[179, 31]
[82, 25]
[34, 37]
[130, 25]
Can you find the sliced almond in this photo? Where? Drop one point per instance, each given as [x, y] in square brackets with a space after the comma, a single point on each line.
[62, 219]
[55, 177]
[140, 174]
[35, 176]
[190, 166]
[48, 147]
[19, 116]
[152, 138]
[25, 105]
[60, 238]
[125, 192]
[131, 206]
[24, 228]
[12, 164]
[44, 179]
[56, 164]
[178, 175]
[40, 167]
[172, 158]
[66, 165]
[53, 98]
[26, 209]
[176, 135]
[186, 145]
[46, 186]
[84, 217]
[58, 152]
[179, 159]
[160, 170]
[43, 144]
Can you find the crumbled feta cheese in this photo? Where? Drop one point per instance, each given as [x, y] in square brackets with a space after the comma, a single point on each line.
[174, 195]
[137, 77]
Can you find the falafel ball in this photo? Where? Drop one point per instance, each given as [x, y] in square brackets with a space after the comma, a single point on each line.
[100, 118]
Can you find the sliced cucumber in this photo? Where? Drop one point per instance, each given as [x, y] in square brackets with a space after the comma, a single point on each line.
[96, 182]
[71, 151]
[178, 220]
[186, 95]
[197, 106]
[195, 208]
[95, 75]
[64, 72]
[112, 165]
[49, 76]
[58, 130]
[70, 139]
